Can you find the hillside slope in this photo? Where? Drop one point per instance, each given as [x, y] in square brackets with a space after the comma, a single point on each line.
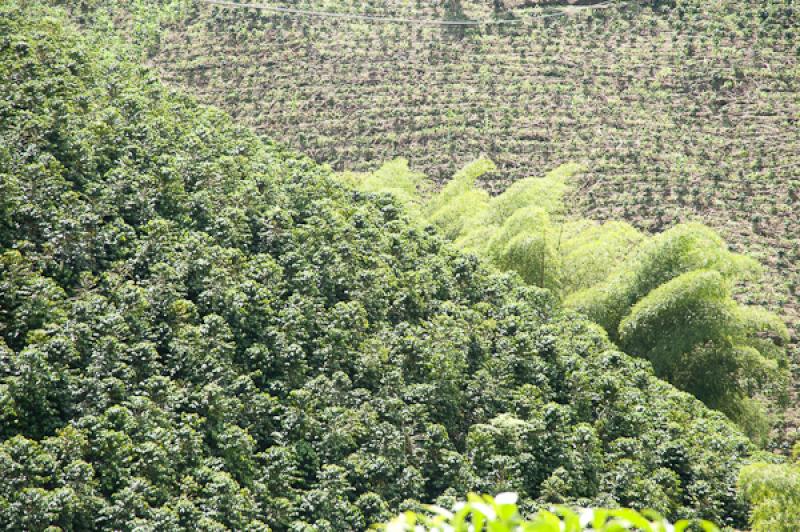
[199, 330]
[681, 110]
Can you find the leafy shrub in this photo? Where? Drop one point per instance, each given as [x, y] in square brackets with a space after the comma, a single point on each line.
[671, 302]
[681, 249]
[715, 342]
[774, 491]
[591, 252]
[501, 514]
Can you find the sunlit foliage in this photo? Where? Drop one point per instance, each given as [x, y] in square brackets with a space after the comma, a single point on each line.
[667, 298]
[682, 249]
[671, 303]
[501, 514]
[774, 490]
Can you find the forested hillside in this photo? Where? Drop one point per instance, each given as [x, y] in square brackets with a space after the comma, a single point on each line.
[681, 110]
[202, 330]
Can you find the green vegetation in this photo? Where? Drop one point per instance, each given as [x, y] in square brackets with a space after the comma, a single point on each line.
[681, 110]
[201, 330]
[671, 303]
[666, 298]
[501, 514]
[774, 490]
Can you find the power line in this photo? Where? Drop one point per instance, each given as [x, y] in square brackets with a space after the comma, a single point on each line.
[399, 20]
[500, 66]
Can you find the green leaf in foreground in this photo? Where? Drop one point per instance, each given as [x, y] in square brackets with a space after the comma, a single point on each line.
[484, 513]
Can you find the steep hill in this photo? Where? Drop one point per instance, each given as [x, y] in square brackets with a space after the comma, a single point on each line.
[201, 330]
[682, 110]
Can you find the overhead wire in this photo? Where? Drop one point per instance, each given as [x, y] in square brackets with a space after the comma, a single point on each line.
[400, 20]
[385, 19]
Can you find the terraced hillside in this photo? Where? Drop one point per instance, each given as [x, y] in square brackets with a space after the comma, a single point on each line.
[682, 109]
